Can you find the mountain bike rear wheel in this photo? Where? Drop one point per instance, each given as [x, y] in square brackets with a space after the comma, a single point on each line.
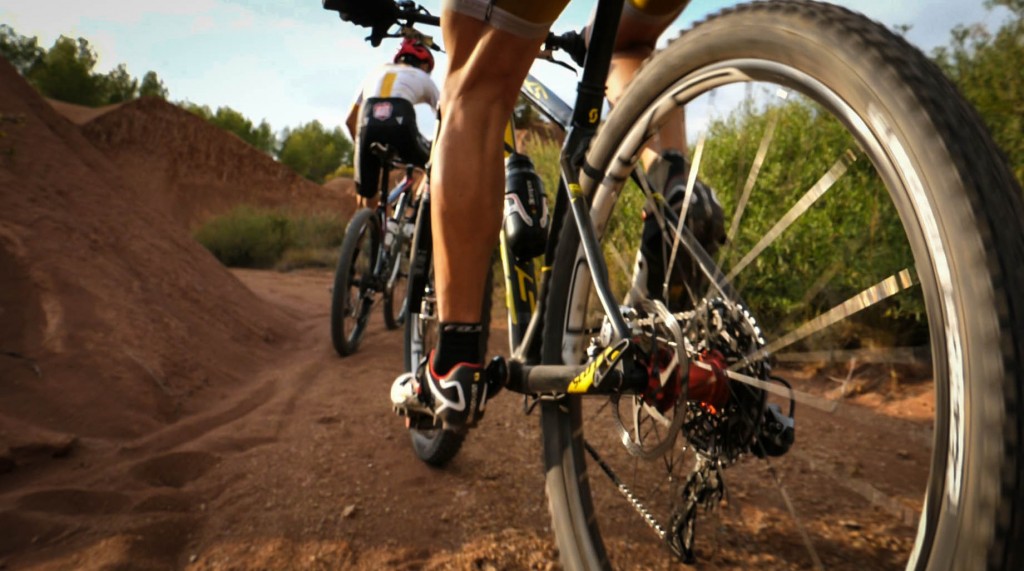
[354, 290]
[879, 262]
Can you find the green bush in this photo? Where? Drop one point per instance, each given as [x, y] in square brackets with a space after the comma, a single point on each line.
[249, 237]
[318, 231]
[297, 258]
[808, 270]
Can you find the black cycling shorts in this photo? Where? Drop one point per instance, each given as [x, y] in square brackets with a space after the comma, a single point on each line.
[390, 121]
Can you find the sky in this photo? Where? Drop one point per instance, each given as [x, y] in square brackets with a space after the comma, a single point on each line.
[290, 62]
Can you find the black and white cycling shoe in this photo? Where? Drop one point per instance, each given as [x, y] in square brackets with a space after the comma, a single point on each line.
[704, 217]
[455, 400]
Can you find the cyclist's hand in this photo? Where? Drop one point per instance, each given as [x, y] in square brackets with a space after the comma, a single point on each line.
[368, 13]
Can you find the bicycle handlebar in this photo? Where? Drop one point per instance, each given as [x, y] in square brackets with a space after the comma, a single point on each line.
[406, 13]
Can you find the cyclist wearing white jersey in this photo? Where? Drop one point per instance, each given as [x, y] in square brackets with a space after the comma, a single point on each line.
[384, 113]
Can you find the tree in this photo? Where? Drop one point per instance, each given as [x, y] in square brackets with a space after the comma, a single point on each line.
[987, 69]
[66, 73]
[119, 86]
[152, 86]
[314, 151]
[203, 111]
[260, 136]
[23, 52]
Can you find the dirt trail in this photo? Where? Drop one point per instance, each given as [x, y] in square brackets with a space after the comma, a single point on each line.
[305, 468]
[158, 411]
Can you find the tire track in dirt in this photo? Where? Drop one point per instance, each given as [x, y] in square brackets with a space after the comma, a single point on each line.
[310, 469]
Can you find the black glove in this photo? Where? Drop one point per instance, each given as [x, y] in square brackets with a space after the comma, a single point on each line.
[376, 14]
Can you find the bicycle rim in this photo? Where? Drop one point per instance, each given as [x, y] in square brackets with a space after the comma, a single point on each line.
[353, 294]
[864, 284]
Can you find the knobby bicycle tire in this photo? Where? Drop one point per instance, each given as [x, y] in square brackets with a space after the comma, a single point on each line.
[350, 310]
[962, 214]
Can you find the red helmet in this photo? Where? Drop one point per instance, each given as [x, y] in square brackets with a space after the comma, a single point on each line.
[414, 49]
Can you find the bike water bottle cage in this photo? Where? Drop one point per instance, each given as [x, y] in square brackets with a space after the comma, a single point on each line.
[526, 208]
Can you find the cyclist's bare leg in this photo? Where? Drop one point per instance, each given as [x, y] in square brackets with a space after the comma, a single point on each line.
[486, 68]
[635, 42]
[491, 46]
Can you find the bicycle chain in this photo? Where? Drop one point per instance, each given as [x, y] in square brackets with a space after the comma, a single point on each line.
[625, 491]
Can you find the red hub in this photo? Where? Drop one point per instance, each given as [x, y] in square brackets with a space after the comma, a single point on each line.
[705, 386]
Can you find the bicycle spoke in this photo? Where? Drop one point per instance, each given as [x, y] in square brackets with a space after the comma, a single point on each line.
[873, 295]
[809, 198]
[687, 196]
[801, 529]
[755, 170]
[820, 403]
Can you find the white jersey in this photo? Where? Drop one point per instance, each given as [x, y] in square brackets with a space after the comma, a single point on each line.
[402, 81]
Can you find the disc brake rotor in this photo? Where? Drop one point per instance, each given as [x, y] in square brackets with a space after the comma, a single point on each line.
[656, 416]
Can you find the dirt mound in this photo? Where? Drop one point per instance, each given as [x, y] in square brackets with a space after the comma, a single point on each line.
[345, 186]
[177, 163]
[113, 321]
[80, 114]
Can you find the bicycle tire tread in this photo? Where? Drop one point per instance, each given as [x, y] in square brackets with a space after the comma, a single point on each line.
[999, 210]
[993, 194]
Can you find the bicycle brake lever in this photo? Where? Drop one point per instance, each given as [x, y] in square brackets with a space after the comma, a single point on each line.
[546, 56]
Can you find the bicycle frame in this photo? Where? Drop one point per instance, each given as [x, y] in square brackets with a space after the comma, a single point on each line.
[580, 123]
[399, 196]
[526, 297]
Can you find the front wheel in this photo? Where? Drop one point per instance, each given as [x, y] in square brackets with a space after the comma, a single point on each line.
[354, 288]
[871, 274]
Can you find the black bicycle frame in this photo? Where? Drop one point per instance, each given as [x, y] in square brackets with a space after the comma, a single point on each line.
[525, 297]
[584, 117]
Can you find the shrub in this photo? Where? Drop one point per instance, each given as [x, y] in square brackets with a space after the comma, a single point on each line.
[318, 231]
[344, 171]
[807, 270]
[298, 258]
[249, 237]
